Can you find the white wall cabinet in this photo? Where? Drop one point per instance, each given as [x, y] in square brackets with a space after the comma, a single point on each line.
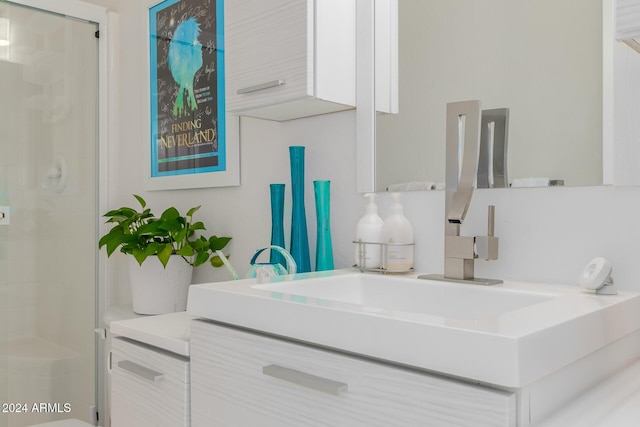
[149, 386]
[287, 59]
[245, 379]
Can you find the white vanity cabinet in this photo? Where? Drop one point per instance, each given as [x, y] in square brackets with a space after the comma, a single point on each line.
[287, 59]
[245, 379]
[149, 387]
[150, 371]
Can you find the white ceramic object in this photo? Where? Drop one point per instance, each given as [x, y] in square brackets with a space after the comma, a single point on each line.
[510, 335]
[159, 290]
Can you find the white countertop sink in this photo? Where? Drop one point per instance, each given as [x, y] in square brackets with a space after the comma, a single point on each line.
[411, 296]
[508, 335]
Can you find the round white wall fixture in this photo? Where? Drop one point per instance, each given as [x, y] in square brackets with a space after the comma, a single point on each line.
[596, 276]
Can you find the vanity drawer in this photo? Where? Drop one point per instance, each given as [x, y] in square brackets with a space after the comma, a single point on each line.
[245, 379]
[149, 387]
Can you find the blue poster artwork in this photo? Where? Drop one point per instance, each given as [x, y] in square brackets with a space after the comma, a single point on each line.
[186, 53]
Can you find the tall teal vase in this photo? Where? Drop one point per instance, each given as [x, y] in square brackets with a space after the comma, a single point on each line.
[277, 217]
[299, 238]
[324, 250]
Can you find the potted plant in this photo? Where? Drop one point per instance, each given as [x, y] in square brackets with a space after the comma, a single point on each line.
[163, 252]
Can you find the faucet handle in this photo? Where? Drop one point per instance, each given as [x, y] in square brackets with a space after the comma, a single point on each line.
[487, 246]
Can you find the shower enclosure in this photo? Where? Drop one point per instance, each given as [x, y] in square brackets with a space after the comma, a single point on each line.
[48, 215]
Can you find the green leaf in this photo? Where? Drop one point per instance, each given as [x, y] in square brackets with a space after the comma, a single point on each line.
[126, 212]
[140, 200]
[216, 261]
[181, 236]
[198, 226]
[139, 255]
[200, 244]
[117, 218]
[170, 214]
[151, 229]
[152, 248]
[112, 213]
[170, 225]
[112, 240]
[111, 247]
[129, 239]
[186, 251]
[218, 243]
[201, 258]
[164, 254]
[193, 210]
[109, 236]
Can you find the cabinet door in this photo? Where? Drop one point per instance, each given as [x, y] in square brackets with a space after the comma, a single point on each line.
[148, 387]
[269, 52]
[243, 379]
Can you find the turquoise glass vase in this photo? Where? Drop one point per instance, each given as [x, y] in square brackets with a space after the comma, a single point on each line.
[299, 247]
[324, 250]
[277, 218]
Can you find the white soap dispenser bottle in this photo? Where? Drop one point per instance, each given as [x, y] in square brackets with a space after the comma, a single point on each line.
[368, 232]
[397, 234]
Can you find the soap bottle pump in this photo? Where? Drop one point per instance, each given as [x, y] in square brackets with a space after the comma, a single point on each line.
[368, 236]
[397, 234]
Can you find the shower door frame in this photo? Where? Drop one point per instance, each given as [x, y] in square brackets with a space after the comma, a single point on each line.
[106, 107]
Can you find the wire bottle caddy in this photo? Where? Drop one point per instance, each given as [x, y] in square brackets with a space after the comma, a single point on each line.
[384, 257]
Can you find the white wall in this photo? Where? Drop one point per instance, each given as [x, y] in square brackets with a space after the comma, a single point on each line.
[545, 234]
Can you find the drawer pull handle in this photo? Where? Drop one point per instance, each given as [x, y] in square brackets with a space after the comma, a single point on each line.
[305, 380]
[140, 371]
[261, 86]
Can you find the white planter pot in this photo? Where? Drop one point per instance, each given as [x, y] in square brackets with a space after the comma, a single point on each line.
[158, 290]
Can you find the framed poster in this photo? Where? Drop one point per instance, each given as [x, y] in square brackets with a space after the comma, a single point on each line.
[192, 142]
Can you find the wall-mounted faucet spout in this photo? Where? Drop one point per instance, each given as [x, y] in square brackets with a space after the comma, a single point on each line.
[463, 143]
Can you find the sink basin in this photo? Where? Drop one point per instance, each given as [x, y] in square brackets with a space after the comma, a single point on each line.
[412, 296]
[510, 335]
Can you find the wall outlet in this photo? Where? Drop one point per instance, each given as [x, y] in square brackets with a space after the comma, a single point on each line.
[5, 213]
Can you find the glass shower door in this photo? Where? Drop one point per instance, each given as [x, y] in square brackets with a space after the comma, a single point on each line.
[48, 199]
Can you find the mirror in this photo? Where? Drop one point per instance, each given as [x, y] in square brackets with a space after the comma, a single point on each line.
[543, 60]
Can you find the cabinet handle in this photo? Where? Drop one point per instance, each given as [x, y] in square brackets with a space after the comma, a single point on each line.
[305, 380]
[261, 86]
[140, 371]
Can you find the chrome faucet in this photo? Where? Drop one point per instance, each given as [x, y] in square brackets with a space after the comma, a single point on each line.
[463, 124]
